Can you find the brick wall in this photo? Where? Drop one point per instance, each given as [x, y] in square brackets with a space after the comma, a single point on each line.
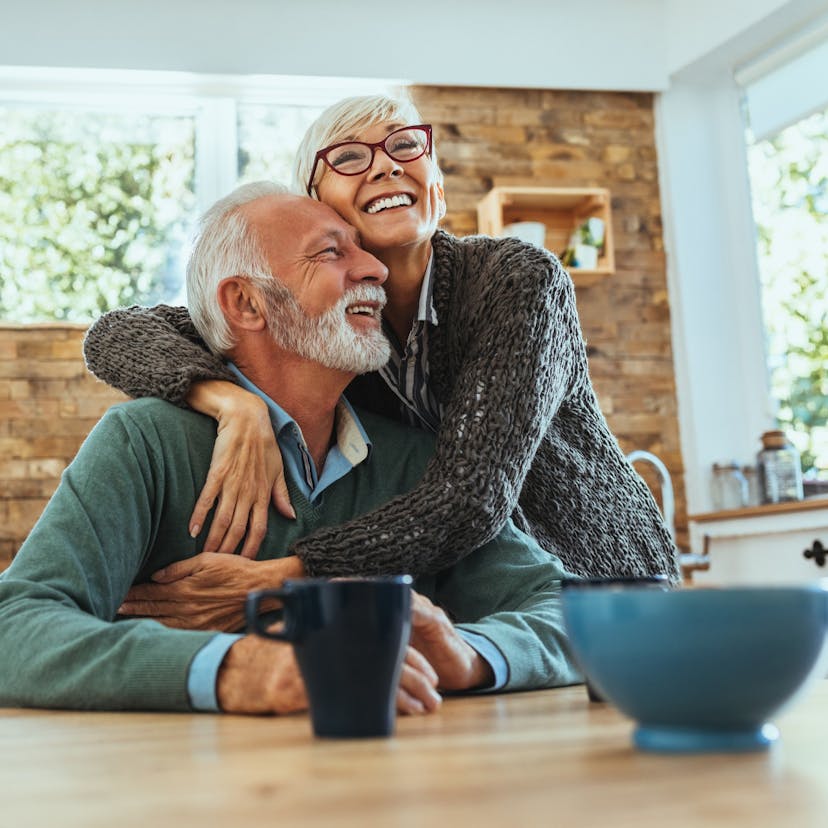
[484, 137]
[48, 404]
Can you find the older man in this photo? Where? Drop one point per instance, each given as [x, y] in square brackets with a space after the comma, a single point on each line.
[281, 287]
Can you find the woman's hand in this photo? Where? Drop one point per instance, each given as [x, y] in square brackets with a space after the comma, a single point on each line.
[246, 469]
[207, 591]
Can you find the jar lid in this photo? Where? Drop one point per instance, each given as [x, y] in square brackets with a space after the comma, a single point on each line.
[774, 439]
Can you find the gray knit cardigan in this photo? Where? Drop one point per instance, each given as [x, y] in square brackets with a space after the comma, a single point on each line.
[521, 434]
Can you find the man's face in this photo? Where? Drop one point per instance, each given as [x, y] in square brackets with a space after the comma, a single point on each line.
[325, 300]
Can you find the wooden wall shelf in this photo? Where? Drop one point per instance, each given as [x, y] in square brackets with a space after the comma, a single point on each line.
[807, 505]
[561, 209]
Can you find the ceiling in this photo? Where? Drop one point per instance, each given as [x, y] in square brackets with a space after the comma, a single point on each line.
[590, 44]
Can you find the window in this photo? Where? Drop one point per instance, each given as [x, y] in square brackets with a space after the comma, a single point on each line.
[94, 210]
[103, 174]
[788, 164]
[789, 179]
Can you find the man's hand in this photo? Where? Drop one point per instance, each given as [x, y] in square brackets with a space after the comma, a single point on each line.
[207, 591]
[457, 664]
[417, 691]
[260, 676]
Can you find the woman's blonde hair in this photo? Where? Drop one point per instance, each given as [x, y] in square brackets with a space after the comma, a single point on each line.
[343, 121]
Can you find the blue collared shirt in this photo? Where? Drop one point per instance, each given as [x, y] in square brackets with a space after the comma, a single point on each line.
[352, 445]
[351, 448]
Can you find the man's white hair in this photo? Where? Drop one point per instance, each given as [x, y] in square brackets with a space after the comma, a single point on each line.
[343, 121]
[225, 245]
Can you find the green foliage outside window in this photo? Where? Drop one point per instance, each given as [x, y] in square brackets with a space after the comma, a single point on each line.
[789, 176]
[94, 211]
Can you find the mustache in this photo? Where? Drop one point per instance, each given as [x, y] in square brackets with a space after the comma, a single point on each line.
[364, 293]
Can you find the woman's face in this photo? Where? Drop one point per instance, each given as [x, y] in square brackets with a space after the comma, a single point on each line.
[364, 200]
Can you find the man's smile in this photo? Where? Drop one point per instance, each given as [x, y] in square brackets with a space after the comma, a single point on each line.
[364, 315]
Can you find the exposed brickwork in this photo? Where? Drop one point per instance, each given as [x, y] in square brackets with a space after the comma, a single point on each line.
[48, 404]
[485, 137]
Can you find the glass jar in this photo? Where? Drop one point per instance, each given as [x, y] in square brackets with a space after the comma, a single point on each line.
[730, 487]
[780, 472]
[751, 474]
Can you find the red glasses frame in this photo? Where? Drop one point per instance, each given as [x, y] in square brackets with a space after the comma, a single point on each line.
[322, 155]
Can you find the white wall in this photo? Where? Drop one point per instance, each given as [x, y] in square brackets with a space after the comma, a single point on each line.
[589, 44]
[696, 28]
[538, 43]
[718, 339]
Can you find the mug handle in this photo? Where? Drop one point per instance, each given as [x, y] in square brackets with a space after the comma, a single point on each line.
[255, 622]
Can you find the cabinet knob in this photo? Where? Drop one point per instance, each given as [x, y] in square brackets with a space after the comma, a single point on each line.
[818, 552]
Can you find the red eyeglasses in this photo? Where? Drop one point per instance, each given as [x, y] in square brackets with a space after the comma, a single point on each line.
[355, 157]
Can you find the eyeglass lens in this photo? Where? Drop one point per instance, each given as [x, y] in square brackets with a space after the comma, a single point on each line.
[401, 145]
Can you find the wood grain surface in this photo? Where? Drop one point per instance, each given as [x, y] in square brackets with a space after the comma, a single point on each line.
[529, 759]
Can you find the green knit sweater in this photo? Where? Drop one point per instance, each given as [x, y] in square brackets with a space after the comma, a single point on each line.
[120, 513]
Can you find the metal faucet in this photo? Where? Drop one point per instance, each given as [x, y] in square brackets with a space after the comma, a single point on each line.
[668, 502]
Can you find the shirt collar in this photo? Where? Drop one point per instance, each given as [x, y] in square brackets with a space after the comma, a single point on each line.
[426, 312]
[351, 438]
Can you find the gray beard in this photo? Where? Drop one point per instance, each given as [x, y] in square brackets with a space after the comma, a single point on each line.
[328, 338]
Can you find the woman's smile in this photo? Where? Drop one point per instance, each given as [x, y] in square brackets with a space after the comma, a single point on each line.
[389, 202]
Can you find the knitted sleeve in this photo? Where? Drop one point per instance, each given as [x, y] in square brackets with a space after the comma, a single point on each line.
[150, 352]
[522, 354]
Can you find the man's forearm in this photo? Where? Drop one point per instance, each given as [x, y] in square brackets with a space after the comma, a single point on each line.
[274, 573]
[508, 591]
[55, 655]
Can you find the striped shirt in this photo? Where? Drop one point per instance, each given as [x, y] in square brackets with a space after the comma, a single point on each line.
[406, 373]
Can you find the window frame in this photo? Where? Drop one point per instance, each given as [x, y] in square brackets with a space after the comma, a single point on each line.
[211, 100]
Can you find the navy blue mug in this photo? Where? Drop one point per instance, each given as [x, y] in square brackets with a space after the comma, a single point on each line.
[349, 636]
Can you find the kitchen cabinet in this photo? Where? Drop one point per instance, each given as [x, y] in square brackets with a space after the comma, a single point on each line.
[561, 210]
[783, 543]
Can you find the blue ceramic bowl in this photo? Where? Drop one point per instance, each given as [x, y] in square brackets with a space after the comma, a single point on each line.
[698, 669]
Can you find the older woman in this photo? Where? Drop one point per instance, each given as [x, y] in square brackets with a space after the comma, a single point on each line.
[487, 352]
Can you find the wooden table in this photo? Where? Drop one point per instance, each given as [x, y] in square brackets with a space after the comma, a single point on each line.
[546, 758]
